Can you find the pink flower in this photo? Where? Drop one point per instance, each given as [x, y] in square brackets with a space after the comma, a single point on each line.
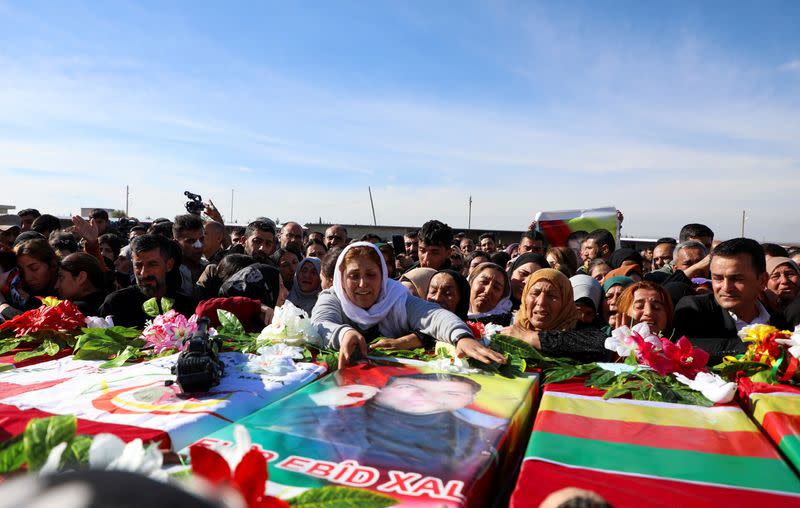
[167, 331]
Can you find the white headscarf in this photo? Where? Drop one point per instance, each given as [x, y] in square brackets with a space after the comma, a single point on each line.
[388, 311]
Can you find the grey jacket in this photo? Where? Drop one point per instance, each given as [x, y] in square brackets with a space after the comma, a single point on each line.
[421, 316]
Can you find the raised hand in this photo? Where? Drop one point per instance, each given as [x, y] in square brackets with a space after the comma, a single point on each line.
[85, 229]
[212, 212]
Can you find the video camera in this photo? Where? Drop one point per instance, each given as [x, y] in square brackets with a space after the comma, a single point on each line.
[195, 204]
[198, 367]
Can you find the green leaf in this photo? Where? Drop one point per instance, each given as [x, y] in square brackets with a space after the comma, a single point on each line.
[730, 370]
[47, 347]
[602, 377]
[12, 454]
[6, 366]
[415, 354]
[99, 349]
[332, 360]
[230, 324]
[442, 352]
[167, 304]
[121, 333]
[341, 497]
[76, 453]
[9, 345]
[43, 434]
[616, 391]
[564, 372]
[514, 346]
[513, 368]
[150, 307]
[121, 358]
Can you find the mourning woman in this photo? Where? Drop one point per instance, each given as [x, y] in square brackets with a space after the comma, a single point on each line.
[490, 295]
[287, 260]
[364, 304]
[307, 284]
[548, 320]
[521, 268]
[450, 290]
[645, 302]
[38, 272]
[417, 281]
[81, 280]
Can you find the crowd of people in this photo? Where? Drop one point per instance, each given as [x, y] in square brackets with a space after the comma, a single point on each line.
[383, 292]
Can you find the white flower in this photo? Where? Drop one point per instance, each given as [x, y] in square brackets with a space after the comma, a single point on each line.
[282, 349]
[619, 368]
[491, 329]
[233, 453]
[450, 364]
[290, 325]
[621, 340]
[110, 453]
[276, 360]
[99, 322]
[793, 342]
[713, 387]
[53, 459]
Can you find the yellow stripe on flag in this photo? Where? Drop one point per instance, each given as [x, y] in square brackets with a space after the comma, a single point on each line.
[722, 419]
[787, 403]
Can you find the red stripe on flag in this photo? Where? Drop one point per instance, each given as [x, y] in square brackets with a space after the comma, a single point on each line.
[12, 389]
[13, 421]
[574, 387]
[539, 479]
[8, 358]
[778, 425]
[672, 437]
[556, 232]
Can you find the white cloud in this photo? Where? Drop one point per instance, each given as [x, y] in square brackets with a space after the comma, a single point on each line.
[792, 66]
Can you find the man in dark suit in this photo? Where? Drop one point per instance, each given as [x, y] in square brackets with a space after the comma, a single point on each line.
[712, 321]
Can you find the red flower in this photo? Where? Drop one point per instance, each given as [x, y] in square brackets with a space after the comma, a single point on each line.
[685, 359]
[652, 356]
[478, 329]
[769, 347]
[249, 477]
[63, 316]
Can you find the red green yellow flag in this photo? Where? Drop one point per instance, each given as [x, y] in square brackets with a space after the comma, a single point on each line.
[651, 453]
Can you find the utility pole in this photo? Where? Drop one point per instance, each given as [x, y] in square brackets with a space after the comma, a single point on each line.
[230, 217]
[127, 195]
[469, 216]
[743, 219]
[374, 220]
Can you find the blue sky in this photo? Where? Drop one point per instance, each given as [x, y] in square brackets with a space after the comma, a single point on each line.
[674, 112]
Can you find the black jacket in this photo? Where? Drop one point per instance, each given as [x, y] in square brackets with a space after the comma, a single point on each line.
[710, 327]
[792, 314]
[125, 306]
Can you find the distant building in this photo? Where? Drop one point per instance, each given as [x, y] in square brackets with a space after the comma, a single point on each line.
[86, 211]
[5, 209]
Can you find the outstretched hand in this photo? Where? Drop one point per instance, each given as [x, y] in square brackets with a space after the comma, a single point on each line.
[474, 349]
[212, 212]
[85, 229]
[410, 341]
[351, 342]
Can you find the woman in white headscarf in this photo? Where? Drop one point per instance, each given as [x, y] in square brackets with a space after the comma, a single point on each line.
[364, 304]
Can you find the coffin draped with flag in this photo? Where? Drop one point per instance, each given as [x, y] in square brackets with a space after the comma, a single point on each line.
[650, 453]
